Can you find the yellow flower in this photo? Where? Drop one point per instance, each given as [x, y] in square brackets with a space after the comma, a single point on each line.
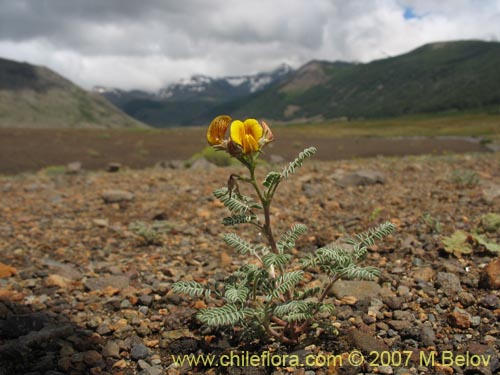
[217, 130]
[247, 134]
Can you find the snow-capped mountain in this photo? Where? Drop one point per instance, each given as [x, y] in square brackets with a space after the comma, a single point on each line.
[231, 86]
[191, 100]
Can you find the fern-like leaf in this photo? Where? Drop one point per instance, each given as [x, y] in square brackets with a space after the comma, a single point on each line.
[225, 315]
[238, 219]
[361, 273]
[290, 307]
[287, 281]
[239, 244]
[236, 294]
[287, 240]
[290, 169]
[191, 288]
[271, 179]
[277, 260]
[236, 204]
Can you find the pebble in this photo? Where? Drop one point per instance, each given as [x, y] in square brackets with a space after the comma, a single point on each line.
[111, 349]
[449, 283]
[139, 351]
[490, 275]
[117, 196]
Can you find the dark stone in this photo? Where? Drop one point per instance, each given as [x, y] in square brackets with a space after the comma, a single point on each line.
[139, 351]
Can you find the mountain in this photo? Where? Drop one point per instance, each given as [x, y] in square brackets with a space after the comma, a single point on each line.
[34, 96]
[187, 101]
[437, 77]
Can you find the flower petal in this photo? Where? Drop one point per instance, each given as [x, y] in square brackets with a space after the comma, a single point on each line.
[217, 130]
[253, 128]
[237, 132]
[249, 144]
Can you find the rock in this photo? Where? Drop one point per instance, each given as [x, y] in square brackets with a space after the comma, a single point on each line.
[6, 270]
[171, 164]
[427, 336]
[113, 167]
[425, 274]
[361, 290]
[400, 325]
[490, 301]
[449, 283]
[490, 275]
[203, 164]
[100, 283]
[145, 300]
[111, 349]
[459, 319]
[139, 351]
[366, 342]
[58, 280]
[117, 196]
[102, 223]
[360, 178]
[491, 192]
[74, 167]
[92, 358]
[148, 369]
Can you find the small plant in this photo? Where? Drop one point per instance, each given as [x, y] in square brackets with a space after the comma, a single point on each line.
[149, 234]
[465, 178]
[433, 223]
[218, 158]
[269, 295]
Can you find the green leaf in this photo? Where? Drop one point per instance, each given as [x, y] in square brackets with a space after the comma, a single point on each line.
[287, 240]
[236, 204]
[191, 288]
[290, 169]
[272, 259]
[240, 245]
[457, 244]
[225, 315]
[271, 179]
[236, 293]
[238, 219]
[287, 281]
[490, 222]
[490, 246]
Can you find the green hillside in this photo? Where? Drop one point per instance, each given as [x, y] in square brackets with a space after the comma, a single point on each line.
[437, 77]
[36, 97]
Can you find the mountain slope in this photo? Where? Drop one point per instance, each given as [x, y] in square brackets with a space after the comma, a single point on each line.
[34, 96]
[436, 77]
[188, 101]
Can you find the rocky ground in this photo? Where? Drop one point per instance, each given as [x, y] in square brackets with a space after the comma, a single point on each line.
[88, 259]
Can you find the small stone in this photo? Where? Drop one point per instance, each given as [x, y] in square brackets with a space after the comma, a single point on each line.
[111, 349]
[117, 196]
[100, 283]
[113, 167]
[57, 280]
[74, 167]
[361, 178]
[449, 283]
[103, 223]
[92, 358]
[366, 342]
[490, 275]
[400, 325]
[202, 164]
[145, 300]
[362, 290]
[490, 301]
[427, 336]
[385, 370]
[139, 351]
[459, 319]
[466, 299]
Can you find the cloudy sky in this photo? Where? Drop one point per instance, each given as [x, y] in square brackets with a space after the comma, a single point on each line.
[150, 43]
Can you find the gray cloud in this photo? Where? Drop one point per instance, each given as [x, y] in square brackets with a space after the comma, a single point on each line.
[132, 44]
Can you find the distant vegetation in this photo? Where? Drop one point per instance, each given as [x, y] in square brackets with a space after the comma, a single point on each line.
[435, 78]
[36, 97]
